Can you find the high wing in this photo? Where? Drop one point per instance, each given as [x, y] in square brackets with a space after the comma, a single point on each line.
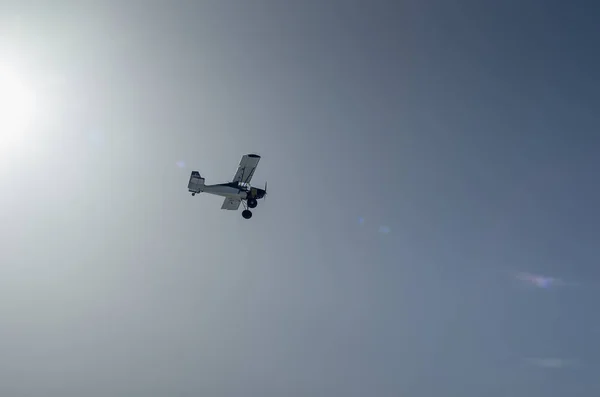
[246, 168]
[231, 203]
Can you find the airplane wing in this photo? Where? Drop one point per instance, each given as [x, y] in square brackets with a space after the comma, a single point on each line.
[246, 168]
[231, 204]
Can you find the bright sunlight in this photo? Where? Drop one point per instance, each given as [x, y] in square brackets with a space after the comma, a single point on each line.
[17, 106]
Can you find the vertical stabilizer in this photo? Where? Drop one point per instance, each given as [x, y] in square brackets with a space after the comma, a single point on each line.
[196, 183]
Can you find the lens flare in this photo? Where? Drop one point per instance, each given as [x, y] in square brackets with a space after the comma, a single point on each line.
[539, 281]
[384, 229]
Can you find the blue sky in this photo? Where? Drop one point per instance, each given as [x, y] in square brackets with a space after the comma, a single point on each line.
[426, 161]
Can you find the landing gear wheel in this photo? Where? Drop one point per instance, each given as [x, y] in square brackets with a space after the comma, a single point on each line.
[193, 194]
[252, 203]
[247, 214]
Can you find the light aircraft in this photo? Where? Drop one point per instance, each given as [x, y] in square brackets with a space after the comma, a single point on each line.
[235, 192]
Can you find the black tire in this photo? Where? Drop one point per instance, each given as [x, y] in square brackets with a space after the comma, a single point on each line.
[252, 203]
[247, 214]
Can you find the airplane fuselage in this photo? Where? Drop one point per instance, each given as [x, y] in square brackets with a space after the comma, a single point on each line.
[233, 190]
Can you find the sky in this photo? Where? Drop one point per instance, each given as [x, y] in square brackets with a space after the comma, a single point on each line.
[431, 227]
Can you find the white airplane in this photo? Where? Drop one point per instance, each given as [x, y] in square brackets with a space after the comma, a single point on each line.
[235, 192]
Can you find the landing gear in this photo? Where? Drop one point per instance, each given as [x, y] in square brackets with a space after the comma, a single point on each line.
[246, 213]
[193, 194]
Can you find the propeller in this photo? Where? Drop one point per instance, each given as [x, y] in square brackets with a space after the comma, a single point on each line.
[265, 190]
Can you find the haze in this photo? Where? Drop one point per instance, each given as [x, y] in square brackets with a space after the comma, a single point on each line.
[421, 158]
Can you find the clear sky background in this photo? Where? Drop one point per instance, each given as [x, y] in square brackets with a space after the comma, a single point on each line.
[422, 156]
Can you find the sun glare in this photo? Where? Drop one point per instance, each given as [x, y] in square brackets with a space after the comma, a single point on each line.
[17, 106]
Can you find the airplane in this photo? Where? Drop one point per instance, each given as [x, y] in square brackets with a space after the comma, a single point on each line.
[235, 192]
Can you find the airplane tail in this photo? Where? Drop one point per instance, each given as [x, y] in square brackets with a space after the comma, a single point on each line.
[196, 183]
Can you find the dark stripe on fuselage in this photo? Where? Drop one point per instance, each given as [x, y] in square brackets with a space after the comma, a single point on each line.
[230, 184]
